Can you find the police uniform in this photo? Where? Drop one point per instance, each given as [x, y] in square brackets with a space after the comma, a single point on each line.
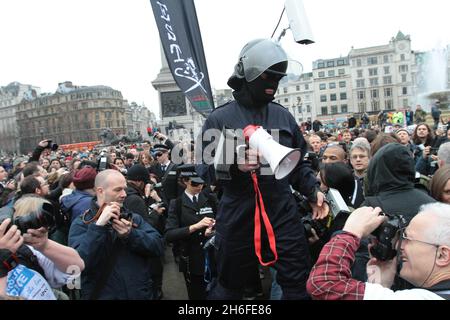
[235, 217]
[182, 214]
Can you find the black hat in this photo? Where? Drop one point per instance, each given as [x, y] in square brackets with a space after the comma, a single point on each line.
[138, 173]
[188, 171]
[160, 147]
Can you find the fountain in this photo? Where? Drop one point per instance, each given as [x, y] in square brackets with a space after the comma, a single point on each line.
[432, 78]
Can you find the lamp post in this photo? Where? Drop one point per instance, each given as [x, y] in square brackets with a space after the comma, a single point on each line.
[300, 106]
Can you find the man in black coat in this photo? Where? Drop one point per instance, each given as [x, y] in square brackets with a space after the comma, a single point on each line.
[137, 202]
[261, 66]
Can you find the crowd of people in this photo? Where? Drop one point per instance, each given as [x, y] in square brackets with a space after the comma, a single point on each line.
[111, 212]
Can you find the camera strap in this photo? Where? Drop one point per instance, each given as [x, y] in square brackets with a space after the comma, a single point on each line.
[96, 216]
[261, 211]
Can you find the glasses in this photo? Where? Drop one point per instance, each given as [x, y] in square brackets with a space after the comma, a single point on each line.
[159, 154]
[196, 184]
[403, 236]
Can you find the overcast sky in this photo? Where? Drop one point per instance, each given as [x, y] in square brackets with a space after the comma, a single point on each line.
[116, 42]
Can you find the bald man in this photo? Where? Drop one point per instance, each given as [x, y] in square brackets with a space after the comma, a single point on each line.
[114, 244]
[334, 154]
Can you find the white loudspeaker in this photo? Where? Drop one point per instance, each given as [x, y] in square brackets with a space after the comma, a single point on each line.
[282, 160]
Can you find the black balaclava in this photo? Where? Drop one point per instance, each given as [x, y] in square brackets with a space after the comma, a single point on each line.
[259, 92]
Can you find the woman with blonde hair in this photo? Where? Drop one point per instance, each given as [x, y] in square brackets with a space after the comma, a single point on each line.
[32, 247]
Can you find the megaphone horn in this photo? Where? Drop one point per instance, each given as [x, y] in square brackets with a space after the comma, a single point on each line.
[282, 160]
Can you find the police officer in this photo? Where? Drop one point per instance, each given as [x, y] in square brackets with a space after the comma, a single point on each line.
[262, 64]
[190, 222]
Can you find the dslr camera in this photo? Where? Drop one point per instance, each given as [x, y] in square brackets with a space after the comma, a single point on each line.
[52, 146]
[43, 217]
[386, 238]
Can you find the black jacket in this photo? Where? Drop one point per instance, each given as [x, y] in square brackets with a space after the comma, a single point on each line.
[136, 202]
[237, 205]
[182, 214]
[391, 178]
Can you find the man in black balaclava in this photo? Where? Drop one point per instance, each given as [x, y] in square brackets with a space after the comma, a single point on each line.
[262, 63]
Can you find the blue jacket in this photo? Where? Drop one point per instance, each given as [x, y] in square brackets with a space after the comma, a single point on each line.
[76, 203]
[130, 278]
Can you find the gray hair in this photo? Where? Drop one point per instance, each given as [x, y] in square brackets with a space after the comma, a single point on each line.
[444, 153]
[361, 143]
[439, 232]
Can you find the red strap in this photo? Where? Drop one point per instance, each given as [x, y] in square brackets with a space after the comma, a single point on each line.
[257, 237]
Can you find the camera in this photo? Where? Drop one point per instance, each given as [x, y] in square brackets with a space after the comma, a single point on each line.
[52, 146]
[124, 214]
[305, 210]
[298, 22]
[102, 164]
[386, 237]
[43, 217]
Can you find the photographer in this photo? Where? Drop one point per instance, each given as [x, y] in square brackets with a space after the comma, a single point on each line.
[424, 259]
[114, 244]
[32, 248]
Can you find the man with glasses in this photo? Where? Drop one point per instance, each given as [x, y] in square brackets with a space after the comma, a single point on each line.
[423, 259]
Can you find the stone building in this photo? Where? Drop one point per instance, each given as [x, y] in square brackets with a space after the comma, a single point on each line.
[72, 114]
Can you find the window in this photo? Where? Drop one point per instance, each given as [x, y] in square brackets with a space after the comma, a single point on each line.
[385, 59]
[323, 98]
[332, 85]
[333, 97]
[403, 77]
[375, 105]
[341, 72]
[402, 57]
[387, 70]
[373, 72]
[404, 90]
[389, 104]
[308, 108]
[359, 73]
[374, 94]
[97, 124]
[342, 84]
[343, 95]
[403, 68]
[286, 100]
[373, 81]
[324, 111]
[297, 88]
[321, 65]
[331, 73]
[307, 97]
[285, 90]
[388, 92]
[362, 107]
[334, 109]
[322, 86]
[330, 64]
[322, 74]
[344, 108]
[361, 95]
[118, 123]
[405, 103]
[341, 62]
[358, 62]
[387, 80]
[372, 60]
[306, 86]
[360, 83]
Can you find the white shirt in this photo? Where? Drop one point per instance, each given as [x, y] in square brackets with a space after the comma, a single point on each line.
[378, 292]
[191, 196]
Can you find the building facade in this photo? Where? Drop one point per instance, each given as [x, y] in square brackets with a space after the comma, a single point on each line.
[72, 114]
[386, 77]
[298, 97]
[10, 96]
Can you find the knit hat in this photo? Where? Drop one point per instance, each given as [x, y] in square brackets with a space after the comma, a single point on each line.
[138, 173]
[84, 178]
